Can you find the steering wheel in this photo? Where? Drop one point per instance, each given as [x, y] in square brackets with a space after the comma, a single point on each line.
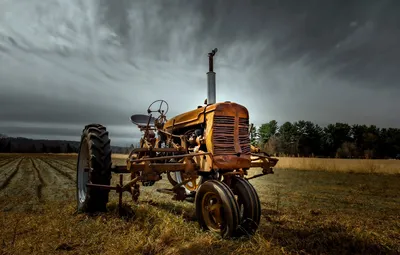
[160, 108]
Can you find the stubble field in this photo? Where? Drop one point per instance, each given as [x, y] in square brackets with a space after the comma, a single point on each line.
[303, 212]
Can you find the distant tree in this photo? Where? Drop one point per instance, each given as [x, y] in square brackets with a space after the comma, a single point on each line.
[2, 144]
[308, 137]
[44, 148]
[347, 150]
[267, 130]
[253, 135]
[287, 138]
[335, 135]
[70, 149]
[56, 149]
[272, 146]
[371, 139]
[392, 142]
[357, 135]
[8, 147]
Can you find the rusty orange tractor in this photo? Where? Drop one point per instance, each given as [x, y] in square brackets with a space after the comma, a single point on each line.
[205, 154]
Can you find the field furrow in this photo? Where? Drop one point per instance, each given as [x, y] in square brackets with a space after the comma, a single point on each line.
[67, 163]
[42, 183]
[5, 159]
[65, 174]
[55, 185]
[6, 162]
[67, 166]
[19, 193]
[11, 176]
[7, 169]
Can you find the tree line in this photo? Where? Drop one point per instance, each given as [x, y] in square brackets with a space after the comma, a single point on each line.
[25, 145]
[340, 140]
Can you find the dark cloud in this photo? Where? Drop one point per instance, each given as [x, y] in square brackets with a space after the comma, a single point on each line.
[66, 64]
[348, 38]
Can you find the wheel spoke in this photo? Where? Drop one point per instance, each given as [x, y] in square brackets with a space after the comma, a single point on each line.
[215, 208]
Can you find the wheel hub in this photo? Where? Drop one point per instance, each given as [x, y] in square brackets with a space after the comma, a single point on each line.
[212, 207]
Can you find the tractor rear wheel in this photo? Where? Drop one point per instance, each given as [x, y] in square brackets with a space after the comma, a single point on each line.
[171, 179]
[249, 206]
[94, 166]
[216, 208]
[189, 187]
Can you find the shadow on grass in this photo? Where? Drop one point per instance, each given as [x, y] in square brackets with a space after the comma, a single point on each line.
[188, 214]
[128, 213]
[324, 238]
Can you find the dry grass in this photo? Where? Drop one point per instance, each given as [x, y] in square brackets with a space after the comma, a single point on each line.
[330, 164]
[303, 212]
[120, 156]
[147, 229]
[341, 165]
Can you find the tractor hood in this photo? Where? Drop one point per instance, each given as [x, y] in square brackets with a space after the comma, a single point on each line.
[196, 116]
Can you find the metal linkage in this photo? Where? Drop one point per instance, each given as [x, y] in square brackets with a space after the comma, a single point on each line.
[119, 188]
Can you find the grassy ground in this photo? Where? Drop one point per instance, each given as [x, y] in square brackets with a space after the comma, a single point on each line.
[303, 212]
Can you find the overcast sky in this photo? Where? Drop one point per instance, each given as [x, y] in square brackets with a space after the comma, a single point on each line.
[67, 63]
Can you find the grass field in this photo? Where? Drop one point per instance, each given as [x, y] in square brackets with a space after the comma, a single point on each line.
[342, 165]
[346, 209]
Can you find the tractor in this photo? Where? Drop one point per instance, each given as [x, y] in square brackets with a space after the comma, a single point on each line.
[205, 154]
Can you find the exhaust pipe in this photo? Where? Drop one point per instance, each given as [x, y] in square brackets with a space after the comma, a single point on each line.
[211, 90]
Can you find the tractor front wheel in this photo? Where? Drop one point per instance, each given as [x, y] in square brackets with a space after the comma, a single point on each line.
[249, 206]
[216, 208]
[94, 166]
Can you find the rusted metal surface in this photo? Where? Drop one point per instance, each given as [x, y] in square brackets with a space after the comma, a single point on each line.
[211, 60]
[155, 150]
[189, 118]
[171, 157]
[99, 186]
[119, 169]
[212, 208]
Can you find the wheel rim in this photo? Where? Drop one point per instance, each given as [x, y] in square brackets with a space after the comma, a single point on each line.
[192, 185]
[83, 176]
[211, 207]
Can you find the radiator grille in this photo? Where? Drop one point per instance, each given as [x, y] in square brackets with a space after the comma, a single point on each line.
[224, 120]
[224, 135]
[244, 122]
[244, 137]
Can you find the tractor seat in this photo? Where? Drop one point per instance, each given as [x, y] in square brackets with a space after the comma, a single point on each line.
[142, 120]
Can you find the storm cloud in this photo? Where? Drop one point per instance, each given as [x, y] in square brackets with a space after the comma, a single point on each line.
[64, 64]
